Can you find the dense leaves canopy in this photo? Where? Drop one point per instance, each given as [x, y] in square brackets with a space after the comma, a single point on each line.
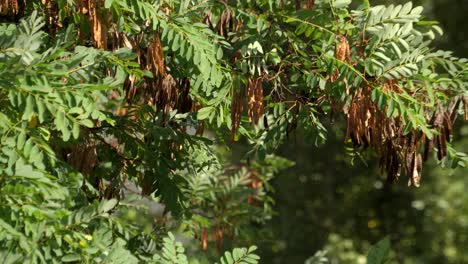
[107, 105]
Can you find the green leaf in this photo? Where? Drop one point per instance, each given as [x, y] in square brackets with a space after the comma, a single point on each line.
[21, 139]
[228, 258]
[390, 108]
[205, 112]
[107, 205]
[108, 3]
[29, 109]
[379, 252]
[341, 3]
[87, 123]
[219, 53]
[252, 249]
[76, 130]
[41, 110]
[71, 258]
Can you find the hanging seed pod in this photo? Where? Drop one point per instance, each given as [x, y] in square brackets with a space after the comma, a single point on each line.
[342, 51]
[310, 4]
[184, 102]
[465, 103]
[98, 23]
[207, 20]
[9, 7]
[201, 127]
[367, 125]
[83, 158]
[415, 178]
[166, 97]
[218, 235]
[447, 126]
[125, 41]
[52, 19]
[82, 6]
[428, 146]
[254, 99]
[204, 239]
[255, 184]
[156, 56]
[250, 99]
[225, 23]
[236, 113]
[441, 125]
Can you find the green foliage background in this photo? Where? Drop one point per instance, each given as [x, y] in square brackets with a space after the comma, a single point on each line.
[324, 203]
[102, 161]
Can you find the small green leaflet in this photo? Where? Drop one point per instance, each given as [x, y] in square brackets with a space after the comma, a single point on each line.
[379, 252]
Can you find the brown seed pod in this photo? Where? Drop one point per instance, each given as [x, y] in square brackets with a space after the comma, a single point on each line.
[83, 158]
[369, 126]
[465, 104]
[225, 23]
[342, 51]
[8, 7]
[428, 146]
[98, 23]
[416, 170]
[236, 112]
[254, 99]
[156, 56]
[218, 235]
[166, 97]
[204, 239]
[310, 4]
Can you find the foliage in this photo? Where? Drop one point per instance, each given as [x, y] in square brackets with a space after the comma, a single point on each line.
[173, 252]
[343, 252]
[323, 195]
[378, 253]
[102, 99]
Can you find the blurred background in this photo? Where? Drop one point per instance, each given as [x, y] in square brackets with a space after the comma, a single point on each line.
[325, 203]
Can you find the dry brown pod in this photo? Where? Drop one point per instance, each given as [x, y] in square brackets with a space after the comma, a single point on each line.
[254, 99]
[236, 113]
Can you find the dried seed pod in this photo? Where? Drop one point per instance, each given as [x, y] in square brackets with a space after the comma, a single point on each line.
[166, 97]
[184, 102]
[236, 113]
[161, 90]
[415, 177]
[82, 6]
[83, 158]
[465, 104]
[258, 99]
[447, 126]
[201, 127]
[429, 144]
[207, 20]
[342, 51]
[98, 23]
[218, 235]
[156, 56]
[125, 41]
[443, 146]
[254, 99]
[310, 4]
[250, 99]
[225, 23]
[255, 181]
[369, 126]
[51, 15]
[256, 184]
[204, 239]
[8, 7]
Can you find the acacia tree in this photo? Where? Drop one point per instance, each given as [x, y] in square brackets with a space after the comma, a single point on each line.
[105, 104]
